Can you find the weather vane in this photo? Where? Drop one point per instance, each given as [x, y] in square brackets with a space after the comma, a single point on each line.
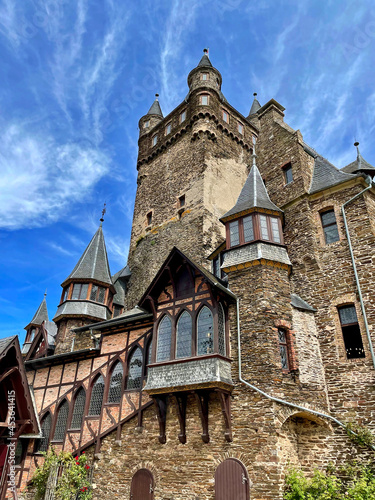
[103, 212]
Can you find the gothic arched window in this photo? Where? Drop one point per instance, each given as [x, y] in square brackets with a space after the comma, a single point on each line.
[148, 356]
[42, 445]
[221, 330]
[184, 335]
[96, 400]
[205, 332]
[61, 421]
[79, 408]
[164, 340]
[114, 394]
[135, 370]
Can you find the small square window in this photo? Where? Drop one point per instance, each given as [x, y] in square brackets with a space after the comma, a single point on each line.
[181, 201]
[205, 76]
[168, 129]
[240, 128]
[147, 124]
[149, 218]
[225, 116]
[183, 116]
[154, 140]
[329, 224]
[288, 174]
[204, 99]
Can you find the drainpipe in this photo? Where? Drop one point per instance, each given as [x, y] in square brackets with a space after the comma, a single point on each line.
[369, 180]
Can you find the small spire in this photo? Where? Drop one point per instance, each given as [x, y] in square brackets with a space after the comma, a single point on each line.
[103, 213]
[255, 106]
[254, 158]
[205, 61]
[155, 107]
[356, 144]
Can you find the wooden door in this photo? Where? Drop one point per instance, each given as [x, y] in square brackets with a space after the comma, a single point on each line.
[142, 487]
[231, 481]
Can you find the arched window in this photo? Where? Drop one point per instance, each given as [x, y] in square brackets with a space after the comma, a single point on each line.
[184, 335]
[97, 397]
[231, 481]
[205, 330]
[135, 370]
[221, 330]
[42, 445]
[62, 419]
[114, 394]
[164, 339]
[79, 408]
[148, 356]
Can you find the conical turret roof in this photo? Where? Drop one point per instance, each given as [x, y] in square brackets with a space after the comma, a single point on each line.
[93, 264]
[40, 315]
[205, 61]
[155, 108]
[255, 106]
[359, 165]
[253, 195]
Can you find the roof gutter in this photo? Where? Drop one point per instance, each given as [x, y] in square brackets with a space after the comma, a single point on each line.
[369, 180]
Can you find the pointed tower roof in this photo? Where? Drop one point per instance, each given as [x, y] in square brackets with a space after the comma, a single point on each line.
[359, 165]
[205, 61]
[93, 264]
[155, 108]
[253, 195]
[40, 315]
[255, 107]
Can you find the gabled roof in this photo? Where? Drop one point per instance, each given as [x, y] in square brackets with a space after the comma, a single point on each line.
[253, 195]
[359, 165]
[93, 264]
[254, 107]
[40, 315]
[155, 108]
[173, 261]
[326, 175]
[4, 343]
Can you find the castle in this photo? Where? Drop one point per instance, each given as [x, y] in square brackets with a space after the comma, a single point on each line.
[237, 340]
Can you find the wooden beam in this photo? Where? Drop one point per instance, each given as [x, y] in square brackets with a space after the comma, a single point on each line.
[225, 399]
[161, 409]
[9, 372]
[202, 398]
[181, 401]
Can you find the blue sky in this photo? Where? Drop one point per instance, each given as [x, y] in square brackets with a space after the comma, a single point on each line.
[75, 77]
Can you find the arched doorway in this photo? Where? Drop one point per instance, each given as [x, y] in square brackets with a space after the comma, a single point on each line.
[231, 481]
[142, 487]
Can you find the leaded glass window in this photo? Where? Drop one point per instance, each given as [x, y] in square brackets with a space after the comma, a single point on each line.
[275, 230]
[46, 428]
[205, 330]
[263, 227]
[164, 340]
[149, 355]
[184, 335]
[114, 394]
[18, 453]
[283, 349]
[79, 409]
[62, 420]
[135, 370]
[248, 228]
[94, 291]
[234, 233]
[101, 294]
[221, 330]
[97, 397]
[329, 224]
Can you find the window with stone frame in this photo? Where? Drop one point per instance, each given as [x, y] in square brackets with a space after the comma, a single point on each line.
[284, 349]
[78, 409]
[351, 332]
[288, 173]
[135, 364]
[115, 383]
[61, 421]
[329, 225]
[147, 124]
[184, 333]
[225, 116]
[42, 444]
[168, 128]
[240, 128]
[204, 99]
[155, 140]
[163, 351]
[96, 400]
[183, 116]
[205, 332]
[204, 76]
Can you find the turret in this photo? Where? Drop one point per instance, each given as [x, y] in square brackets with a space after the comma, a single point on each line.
[360, 165]
[204, 76]
[152, 118]
[32, 329]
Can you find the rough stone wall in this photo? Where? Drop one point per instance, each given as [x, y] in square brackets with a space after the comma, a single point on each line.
[65, 336]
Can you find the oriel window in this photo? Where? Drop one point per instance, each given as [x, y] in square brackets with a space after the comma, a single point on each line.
[163, 352]
[205, 332]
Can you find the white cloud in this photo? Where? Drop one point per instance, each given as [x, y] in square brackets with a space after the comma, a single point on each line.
[41, 179]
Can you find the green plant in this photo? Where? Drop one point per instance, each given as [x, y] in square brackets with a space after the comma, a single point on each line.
[72, 481]
[360, 435]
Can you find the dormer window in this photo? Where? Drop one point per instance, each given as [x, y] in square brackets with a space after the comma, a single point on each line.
[254, 227]
[204, 99]
[204, 76]
[155, 140]
[225, 116]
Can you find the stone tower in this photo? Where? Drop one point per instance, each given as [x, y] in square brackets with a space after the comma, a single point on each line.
[191, 165]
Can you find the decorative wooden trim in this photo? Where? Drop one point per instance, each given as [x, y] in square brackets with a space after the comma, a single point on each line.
[181, 402]
[161, 403]
[225, 401]
[202, 398]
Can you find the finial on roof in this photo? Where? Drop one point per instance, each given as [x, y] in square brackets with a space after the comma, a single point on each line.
[254, 158]
[205, 51]
[255, 94]
[45, 293]
[103, 213]
[157, 96]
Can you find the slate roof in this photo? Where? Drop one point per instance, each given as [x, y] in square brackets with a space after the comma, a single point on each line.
[82, 308]
[326, 175]
[155, 109]
[254, 107]
[41, 314]
[205, 62]
[120, 287]
[253, 195]
[4, 343]
[299, 303]
[93, 263]
[51, 329]
[359, 165]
